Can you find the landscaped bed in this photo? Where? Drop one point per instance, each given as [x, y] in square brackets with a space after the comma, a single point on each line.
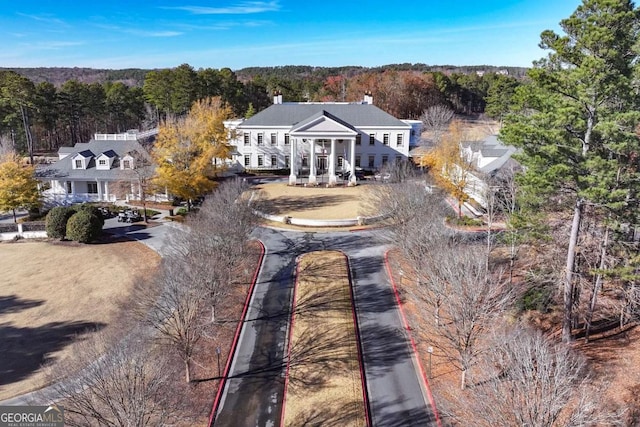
[324, 385]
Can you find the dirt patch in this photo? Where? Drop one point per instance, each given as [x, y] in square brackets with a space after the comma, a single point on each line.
[325, 386]
[53, 294]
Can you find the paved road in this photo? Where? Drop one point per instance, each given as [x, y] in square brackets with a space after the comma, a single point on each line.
[253, 396]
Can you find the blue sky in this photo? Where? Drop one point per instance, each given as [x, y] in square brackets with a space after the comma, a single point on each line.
[236, 34]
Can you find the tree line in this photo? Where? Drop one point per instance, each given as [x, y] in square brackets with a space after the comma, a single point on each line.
[37, 117]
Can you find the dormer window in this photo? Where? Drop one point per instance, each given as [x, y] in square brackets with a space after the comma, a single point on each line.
[78, 164]
[126, 164]
[102, 162]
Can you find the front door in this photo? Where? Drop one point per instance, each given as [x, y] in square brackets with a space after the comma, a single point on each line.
[322, 164]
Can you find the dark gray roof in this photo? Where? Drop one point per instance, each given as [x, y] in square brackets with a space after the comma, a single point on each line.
[110, 153]
[63, 168]
[86, 153]
[290, 114]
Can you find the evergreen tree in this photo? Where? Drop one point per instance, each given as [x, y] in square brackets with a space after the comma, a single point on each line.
[577, 120]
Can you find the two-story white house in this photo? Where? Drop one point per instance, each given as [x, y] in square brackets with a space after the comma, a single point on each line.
[314, 139]
[109, 167]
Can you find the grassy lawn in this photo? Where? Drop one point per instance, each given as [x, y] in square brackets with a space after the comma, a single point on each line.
[324, 386]
[53, 294]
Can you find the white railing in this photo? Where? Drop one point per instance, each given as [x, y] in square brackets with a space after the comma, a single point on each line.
[53, 199]
[126, 136]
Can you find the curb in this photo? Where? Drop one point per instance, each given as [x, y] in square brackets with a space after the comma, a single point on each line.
[289, 340]
[423, 376]
[234, 344]
[356, 325]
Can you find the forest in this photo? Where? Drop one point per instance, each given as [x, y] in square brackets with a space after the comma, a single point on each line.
[42, 109]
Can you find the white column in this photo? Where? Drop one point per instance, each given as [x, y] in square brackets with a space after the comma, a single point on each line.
[73, 189]
[352, 156]
[99, 185]
[312, 162]
[106, 191]
[332, 163]
[292, 162]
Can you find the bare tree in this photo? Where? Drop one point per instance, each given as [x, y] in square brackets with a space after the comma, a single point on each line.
[115, 384]
[174, 310]
[435, 120]
[467, 298]
[215, 241]
[529, 380]
[137, 179]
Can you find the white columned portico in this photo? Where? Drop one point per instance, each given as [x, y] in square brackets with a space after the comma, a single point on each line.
[313, 180]
[352, 166]
[332, 163]
[292, 163]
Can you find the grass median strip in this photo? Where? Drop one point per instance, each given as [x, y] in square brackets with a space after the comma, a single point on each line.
[324, 382]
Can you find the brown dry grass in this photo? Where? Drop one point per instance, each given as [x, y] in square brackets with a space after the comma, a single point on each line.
[324, 376]
[313, 202]
[51, 294]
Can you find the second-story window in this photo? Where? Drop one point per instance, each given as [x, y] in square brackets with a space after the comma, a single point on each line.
[372, 139]
[247, 138]
[286, 139]
[274, 138]
[358, 139]
[385, 139]
[399, 140]
[260, 139]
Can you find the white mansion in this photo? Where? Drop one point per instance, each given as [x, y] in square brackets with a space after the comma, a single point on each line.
[314, 138]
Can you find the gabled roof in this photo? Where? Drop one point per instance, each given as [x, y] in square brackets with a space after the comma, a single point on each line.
[291, 114]
[109, 153]
[322, 114]
[85, 153]
[63, 168]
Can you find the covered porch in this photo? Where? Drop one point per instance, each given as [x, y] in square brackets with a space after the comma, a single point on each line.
[323, 146]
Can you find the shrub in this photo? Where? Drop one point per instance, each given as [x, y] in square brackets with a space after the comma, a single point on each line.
[94, 210]
[537, 297]
[84, 226]
[56, 221]
[464, 221]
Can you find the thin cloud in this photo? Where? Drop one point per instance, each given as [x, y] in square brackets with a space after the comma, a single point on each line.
[224, 25]
[43, 18]
[52, 44]
[154, 33]
[140, 33]
[238, 9]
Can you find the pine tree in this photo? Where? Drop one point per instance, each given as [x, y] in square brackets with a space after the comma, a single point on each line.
[577, 119]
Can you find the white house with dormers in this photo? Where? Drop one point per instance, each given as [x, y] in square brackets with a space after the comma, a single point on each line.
[314, 139]
[488, 157]
[97, 171]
